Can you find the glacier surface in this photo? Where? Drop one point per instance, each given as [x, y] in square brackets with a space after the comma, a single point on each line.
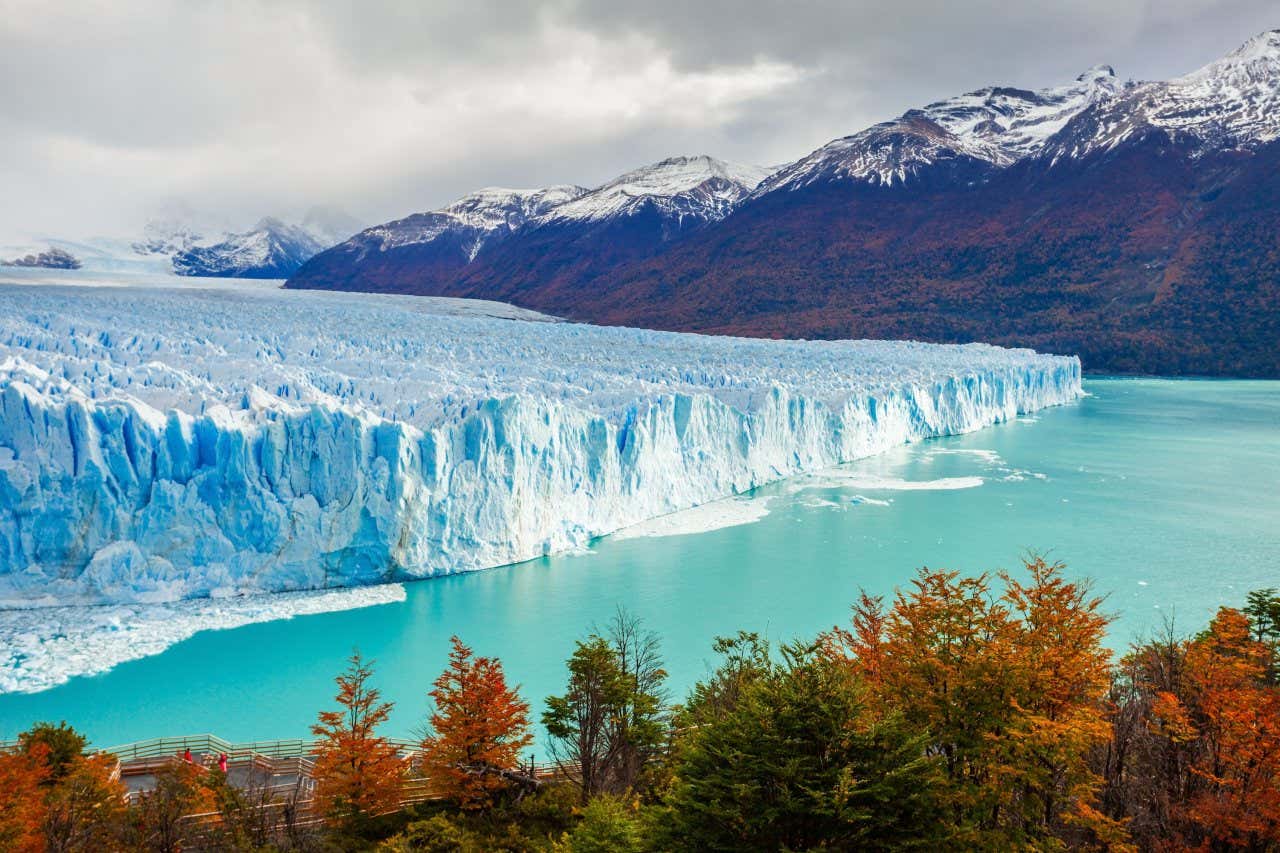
[162, 444]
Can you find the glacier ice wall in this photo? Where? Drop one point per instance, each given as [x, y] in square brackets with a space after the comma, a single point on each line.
[160, 444]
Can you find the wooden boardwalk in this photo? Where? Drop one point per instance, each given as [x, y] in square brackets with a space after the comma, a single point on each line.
[278, 770]
[277, 775]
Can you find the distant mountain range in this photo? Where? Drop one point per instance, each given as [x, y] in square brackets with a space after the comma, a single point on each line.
[270, 249]
[1134, 223]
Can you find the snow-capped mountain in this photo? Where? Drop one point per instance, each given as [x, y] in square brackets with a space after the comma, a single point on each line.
[684, 189]
[271, 249]
[992, 127]
[1133, 223]
[469, 222]
[554, 227]
[1233, 102]
[167, 237]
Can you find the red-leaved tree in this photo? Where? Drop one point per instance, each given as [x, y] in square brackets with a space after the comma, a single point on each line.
[358, 773]
[477, 731]
[22, 808]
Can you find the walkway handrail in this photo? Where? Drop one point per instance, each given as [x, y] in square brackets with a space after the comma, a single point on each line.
[298, 749]
[209, 743]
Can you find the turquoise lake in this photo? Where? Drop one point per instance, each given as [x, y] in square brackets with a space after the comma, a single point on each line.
[1166, 493]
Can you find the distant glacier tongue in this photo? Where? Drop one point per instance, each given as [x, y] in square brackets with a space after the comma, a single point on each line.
[164, 444]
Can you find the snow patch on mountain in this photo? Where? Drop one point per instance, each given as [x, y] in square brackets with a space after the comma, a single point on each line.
[160, 444]
[1233, 102]
[471, 220]
[701, 188]
[996, 126]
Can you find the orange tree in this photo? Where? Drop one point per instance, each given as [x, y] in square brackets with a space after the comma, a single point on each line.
[477, 730]
[1008, 686]
[22, 808]
[86, 809]
[1234, 714]
[1062, 672]
[1194, 759]
[358, 773]
[161, 816]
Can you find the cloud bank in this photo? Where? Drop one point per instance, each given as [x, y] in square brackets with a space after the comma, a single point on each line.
[112, 111]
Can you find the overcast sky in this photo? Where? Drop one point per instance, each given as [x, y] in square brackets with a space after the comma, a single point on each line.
[113, 111]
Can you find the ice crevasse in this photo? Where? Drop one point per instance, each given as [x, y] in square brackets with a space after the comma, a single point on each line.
[158, 445]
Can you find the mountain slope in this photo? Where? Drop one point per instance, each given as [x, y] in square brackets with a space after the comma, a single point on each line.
[524, 238]
[51, 258]
[1143, 259]
[1232, 102]
[426, 250]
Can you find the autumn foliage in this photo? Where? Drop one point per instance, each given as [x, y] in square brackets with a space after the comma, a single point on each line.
[358, 774]
[478, 728]
[967, 712]
[55, 797]
[1006, 683]
[22, 809]
[1194, 760]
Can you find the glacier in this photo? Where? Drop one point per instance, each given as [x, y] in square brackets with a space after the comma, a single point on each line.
[160, 444]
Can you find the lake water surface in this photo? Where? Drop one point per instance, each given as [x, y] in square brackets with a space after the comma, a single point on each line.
[1165, 493]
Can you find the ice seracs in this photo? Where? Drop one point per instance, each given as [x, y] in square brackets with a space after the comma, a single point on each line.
[161, 444]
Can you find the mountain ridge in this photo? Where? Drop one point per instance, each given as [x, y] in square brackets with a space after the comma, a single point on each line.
[1131, 223]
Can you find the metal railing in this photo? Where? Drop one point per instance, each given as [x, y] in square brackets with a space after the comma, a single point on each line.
[205, 744]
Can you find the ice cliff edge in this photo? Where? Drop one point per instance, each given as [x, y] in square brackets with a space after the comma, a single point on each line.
[157, 445]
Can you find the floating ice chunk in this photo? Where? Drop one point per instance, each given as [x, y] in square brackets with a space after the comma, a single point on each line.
[716, 515]
[990, 457]
[857, 480]
[47, 646]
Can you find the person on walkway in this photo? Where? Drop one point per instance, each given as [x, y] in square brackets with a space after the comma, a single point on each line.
[222, 763]
[186, 756]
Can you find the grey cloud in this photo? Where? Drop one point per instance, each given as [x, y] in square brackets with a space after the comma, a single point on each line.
[109, 110]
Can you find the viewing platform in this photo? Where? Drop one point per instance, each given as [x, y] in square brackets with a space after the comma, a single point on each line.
[272, 772]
